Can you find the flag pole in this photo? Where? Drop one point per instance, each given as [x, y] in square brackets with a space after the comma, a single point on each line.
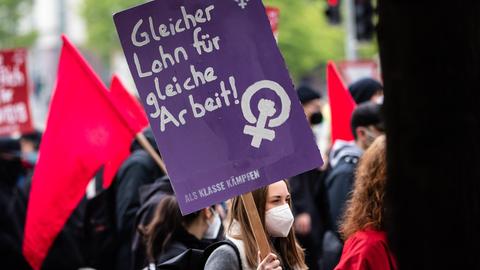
[256, 224]
[151, 151]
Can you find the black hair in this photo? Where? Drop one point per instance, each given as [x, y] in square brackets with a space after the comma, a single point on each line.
[367, 114]
[35, 137]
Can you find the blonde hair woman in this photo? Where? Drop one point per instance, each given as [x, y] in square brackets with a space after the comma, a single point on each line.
[274, 207]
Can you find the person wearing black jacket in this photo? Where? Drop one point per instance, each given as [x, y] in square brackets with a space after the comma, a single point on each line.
[150, 197]
[169, 233]
[12, 206]
[66, 251]
[306, 190]
[139, 169]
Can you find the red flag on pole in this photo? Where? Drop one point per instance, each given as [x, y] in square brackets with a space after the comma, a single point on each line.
[132, 112]
[341, 105]
[130, 108]
[83, 132]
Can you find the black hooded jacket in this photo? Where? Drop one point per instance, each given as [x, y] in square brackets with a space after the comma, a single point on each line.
[181, 241]
[12, 216]
[139, 169]
[150, 197]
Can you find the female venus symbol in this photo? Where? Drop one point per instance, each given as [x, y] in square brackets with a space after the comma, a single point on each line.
[267, 109]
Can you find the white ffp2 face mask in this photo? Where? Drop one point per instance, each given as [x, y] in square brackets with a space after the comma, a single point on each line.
[213, 227]
[279, 220]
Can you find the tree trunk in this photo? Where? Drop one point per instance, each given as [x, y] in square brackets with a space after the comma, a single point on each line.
[430, 55]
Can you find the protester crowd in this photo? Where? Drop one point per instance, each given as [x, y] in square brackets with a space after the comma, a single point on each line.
[328, 218]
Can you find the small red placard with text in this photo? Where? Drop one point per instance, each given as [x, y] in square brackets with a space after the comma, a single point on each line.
[15, 117]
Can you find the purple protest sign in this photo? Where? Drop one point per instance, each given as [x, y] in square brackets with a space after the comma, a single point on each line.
[218, 95]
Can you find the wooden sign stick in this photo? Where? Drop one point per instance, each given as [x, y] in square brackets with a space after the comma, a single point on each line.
[256, 224]
[151, 151]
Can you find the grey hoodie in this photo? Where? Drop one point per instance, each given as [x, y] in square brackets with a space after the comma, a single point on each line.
[343, 160]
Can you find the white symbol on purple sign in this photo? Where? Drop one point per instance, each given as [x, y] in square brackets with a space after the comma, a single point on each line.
[242, 3]
[267, 109]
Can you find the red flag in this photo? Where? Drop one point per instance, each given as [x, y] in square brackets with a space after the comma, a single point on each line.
[130, 108]
[273, 14]
[83, 132]
[332, 2]
[132, 112]
[341, 105]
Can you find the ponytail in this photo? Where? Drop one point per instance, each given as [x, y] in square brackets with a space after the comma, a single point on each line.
[158, 234]
[166, 221]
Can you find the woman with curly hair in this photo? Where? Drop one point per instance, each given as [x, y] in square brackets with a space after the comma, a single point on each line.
[363, 224]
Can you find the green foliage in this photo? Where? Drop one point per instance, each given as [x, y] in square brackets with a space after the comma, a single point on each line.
[367, 50]
[11, 12]
[101, 34]
[306, 40]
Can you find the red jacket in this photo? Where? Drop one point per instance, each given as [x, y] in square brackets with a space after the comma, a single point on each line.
[367, 250]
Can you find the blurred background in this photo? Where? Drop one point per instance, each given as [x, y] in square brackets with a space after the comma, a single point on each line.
[310, 32]
[431, 106]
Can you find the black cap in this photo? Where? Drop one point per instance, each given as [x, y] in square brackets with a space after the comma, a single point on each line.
[363, 90]
[34, 136]
[306, 94]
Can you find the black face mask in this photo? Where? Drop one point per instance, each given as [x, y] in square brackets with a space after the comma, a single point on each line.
[316, 118]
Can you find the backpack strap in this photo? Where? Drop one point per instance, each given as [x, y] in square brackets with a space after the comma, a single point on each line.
[194, 259]
[175, 249]
[189, 259]
[211, 248]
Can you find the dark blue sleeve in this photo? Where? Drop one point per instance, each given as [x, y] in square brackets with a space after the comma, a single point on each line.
[339, 186]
